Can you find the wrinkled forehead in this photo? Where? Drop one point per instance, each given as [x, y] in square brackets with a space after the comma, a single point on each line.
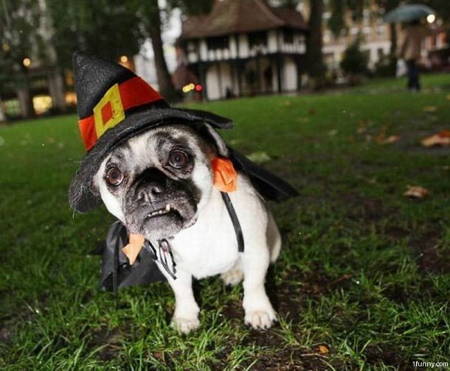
[150, 145]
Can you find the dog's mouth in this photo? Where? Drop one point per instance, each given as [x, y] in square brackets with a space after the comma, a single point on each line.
[163, 220]
[168, 209]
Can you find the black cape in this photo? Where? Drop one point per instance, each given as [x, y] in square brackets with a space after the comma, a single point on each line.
[116, 270]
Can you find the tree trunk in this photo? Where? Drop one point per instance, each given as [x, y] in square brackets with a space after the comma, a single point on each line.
[165, 83]
[25, 102]
[55, 80]
[56, 90]
[314, 57]
[393, 37]
[24, 96]
[2, 112]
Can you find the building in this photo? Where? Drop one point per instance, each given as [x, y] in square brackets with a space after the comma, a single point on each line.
[374, 33]
[243, 47]
[375, 37]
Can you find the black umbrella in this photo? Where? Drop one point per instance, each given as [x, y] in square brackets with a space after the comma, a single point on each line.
[408, 13]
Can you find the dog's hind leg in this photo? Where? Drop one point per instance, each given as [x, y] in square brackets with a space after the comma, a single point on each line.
[273, 238]
[259, 312]
[234, 276]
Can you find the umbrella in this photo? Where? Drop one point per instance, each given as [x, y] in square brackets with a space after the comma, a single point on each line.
[408, 13]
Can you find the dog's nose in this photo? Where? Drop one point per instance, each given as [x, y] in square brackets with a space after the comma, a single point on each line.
[150, 185]
[149, 192]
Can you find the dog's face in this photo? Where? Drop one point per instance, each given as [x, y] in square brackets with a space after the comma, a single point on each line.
[158, 181]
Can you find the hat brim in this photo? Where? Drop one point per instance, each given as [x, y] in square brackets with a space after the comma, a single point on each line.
[82, 195]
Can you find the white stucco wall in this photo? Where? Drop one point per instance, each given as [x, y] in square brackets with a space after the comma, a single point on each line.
[243, 46]
[289, 74]
[272, 43]
[212, 82]
[218, 79]
[203, 50]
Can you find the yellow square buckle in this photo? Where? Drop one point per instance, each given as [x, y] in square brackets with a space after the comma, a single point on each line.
[109, 111]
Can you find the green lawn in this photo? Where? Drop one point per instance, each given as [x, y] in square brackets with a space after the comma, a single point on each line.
[363, 280]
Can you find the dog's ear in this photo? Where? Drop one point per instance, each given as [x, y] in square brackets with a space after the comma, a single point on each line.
[215, 138]
[83, 197]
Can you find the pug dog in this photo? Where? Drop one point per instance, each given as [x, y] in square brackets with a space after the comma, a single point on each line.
[155, 169]
[159, 184]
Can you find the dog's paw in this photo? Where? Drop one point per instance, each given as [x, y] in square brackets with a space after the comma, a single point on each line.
[232, 277]
[185, 325]
[260, 319]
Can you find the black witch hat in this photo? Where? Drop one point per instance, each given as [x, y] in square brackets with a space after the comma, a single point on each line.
[115, 105]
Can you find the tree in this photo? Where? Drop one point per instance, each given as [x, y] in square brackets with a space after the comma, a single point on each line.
[107, 28]
[198, 7]
[18, 21]
[387, 6]
[151, 18]
[314, 57]
[55, 76]
[354, 63]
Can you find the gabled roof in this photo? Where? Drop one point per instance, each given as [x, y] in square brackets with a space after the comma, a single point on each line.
[240, 16]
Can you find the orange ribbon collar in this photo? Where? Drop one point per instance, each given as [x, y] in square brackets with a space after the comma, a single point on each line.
[224, 174]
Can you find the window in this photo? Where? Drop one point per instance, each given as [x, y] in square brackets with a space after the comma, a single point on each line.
[257, 39]
[220, 42]
[288, 36]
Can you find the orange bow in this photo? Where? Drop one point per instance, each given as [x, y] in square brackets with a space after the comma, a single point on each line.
[225, 176]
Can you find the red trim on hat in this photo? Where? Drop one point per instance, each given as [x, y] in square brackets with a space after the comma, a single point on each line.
[134, 92]
[88, 134]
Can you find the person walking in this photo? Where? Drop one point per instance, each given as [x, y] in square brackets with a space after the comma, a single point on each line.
[411, 50]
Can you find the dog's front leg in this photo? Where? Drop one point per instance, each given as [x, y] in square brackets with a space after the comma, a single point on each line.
[258, 309]
[185, 317]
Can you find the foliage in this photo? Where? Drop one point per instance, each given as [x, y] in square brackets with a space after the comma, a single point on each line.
[385, 67]
[107, 28]
[189, 7]
[18, 22]
[314, 55]
[354, 61]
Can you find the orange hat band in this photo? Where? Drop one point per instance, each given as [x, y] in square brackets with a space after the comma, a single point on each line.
[111, 108]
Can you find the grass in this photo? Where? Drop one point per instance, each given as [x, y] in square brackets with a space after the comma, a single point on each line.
[363, 280]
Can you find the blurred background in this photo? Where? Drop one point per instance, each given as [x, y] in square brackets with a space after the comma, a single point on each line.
[205, 49]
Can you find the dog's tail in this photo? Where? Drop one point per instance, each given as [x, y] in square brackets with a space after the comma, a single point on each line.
[273, 239]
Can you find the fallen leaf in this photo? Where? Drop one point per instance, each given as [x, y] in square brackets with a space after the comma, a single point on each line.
[391, 139]
[430, 109]
[361, 130]
[416, 191]
[448, 97]
[332, 133]
[259, 157]
[381, 136]
[323, 349]
[440, 139]
[312, 111]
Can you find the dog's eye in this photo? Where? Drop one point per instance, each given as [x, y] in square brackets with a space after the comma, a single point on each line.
[114, 176]
[178, 159]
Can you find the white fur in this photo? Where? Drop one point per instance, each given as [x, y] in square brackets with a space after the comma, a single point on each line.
[209, 247]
